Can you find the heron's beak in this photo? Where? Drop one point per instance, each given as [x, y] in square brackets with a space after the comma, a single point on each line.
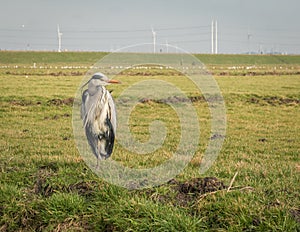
[114, 81]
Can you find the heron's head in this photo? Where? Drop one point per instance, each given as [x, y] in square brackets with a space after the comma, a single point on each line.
[100, 79]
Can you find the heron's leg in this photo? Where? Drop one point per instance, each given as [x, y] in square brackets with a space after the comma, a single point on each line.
[98, 155]
[97, 165]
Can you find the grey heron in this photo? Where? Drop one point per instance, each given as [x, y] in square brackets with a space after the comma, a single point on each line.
[99, 116]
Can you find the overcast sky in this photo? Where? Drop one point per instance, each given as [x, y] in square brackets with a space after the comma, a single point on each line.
[99, 25]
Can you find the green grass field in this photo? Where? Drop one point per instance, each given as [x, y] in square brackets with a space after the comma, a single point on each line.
[46, 186]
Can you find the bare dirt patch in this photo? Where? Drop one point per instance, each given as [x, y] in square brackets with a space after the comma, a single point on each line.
[273, 101]
[57, 102]
[186, 193]
[21, 102]
[178, 99]
[295, 213]
[41, 185]
[83, 188]
[56, 116]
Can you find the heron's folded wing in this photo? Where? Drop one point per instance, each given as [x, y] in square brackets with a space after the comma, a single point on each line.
[113, 112]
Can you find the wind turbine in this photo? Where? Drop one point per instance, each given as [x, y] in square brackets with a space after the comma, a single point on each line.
[59, 35]
[154, 39]
[249, 35]
[167, 45]
[214, 37]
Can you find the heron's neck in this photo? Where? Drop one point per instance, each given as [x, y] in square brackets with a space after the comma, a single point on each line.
[92, 89]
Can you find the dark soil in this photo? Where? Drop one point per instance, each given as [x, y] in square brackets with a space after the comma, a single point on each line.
[255, 73]
[56, 116]
[186, 193]
[42, 186]
[262, 140]
[273, 101]
[57, 102]
[82, 188]
[21, 102]
[200, 186]
[295, 214]
[177, 99]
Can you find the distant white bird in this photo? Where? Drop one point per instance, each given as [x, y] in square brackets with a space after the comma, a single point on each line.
[99, 116]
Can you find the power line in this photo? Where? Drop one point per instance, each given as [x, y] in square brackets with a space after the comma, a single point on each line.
[76, 38]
